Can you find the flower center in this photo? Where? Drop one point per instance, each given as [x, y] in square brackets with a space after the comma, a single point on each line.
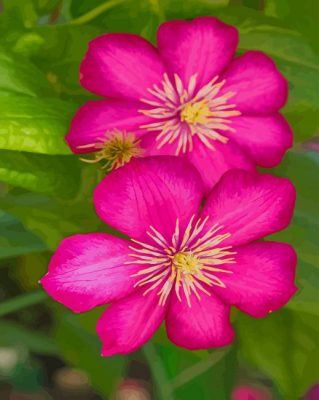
[181, 112]
[188, 262]
[196, 113]
[116, 148]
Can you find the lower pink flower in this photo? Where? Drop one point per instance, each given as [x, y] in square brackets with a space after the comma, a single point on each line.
[183, 264]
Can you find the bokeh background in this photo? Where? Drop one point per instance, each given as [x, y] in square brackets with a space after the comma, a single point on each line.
[46, 352]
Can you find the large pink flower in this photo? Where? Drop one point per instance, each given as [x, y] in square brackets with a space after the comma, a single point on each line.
[183, 264]
[189, 96]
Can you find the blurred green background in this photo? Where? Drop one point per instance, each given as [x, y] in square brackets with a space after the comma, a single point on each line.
[46, 352]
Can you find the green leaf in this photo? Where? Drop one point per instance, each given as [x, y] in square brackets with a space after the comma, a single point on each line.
[25, 15]
[162, 383]
[306, 299]
[34, 125]
[40, 173]
[124, 16]
[191, 8]
[60, 54]
[15, 240]
[20, 76]
[22, 301]
[141, 16]
[50, 219]
[303, 16]
[184, 373]
[76, 338]
[284, 345]
[13, 334]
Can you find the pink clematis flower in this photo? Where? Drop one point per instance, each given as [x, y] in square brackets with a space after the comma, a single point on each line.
[182, 264]
[190, 96]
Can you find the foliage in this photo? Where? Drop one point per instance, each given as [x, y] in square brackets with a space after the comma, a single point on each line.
[45, 194]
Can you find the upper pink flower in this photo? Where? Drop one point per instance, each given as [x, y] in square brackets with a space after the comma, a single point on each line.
[183, 264]
[189, 96]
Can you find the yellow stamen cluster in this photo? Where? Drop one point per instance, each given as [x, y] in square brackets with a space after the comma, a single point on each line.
[116, 149]
[188, 263]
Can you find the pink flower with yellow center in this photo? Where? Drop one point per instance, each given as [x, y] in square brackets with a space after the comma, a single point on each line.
[189, 96]
[181, 262]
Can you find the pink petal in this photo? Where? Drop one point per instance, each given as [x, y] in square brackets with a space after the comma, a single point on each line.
[250, 205]
[262, 279]
[203, 46]
[258, 85]
[89, 270]
[129, 323]
[203, 325]
[152, 191]
[212, 164]
[265, 139]
[121, 65]
[96, 117]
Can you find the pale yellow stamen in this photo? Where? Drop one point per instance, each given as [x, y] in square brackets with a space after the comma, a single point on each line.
[187, 262]
[115, 149]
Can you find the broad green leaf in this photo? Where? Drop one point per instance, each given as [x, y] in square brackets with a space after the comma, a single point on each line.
[123, 16]
[29, 44]
[306, 299]
[182, 373]
[24, 300]
[81, 348]
[50, 219]
[284, 345]
[29, 11]
[40, 173]
[20, 76]
[60, 54]
[13, 334]
[303, 16]
[191, 8]
[188, 374]
[34, 125]
[24, 15]
[14, 239]
[141, 16]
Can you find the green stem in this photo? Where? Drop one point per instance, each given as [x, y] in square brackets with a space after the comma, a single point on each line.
[22, 301]
[89, 16]
[163, 386]
[198, 369]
